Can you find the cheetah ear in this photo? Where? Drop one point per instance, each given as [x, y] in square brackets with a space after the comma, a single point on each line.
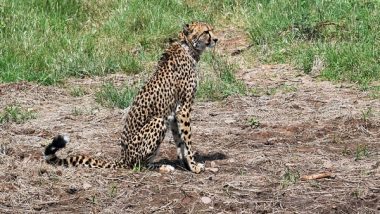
[186, 29]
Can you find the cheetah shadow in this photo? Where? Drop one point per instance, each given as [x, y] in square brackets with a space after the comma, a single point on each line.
[202, 158]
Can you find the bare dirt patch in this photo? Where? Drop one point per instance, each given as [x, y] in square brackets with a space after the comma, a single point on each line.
[304, 126]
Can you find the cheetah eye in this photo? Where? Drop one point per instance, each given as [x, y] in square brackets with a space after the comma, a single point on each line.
[207, 31]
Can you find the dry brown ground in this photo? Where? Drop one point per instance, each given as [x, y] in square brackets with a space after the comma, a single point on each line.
[306, 126]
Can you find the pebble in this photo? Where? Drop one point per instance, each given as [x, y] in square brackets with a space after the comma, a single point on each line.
[206, 200]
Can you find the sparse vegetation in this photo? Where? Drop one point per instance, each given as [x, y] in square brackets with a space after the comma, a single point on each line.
[361, 152]
[111, 96]
[367, 114]
[289, 177]
[137, 168]
[16, 114]
[113, 190]
[77, 91]
[221, 81]
[77, 111]
[253, 122]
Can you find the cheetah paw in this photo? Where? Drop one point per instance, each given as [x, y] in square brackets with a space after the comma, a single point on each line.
[166, 169]
[198, 168]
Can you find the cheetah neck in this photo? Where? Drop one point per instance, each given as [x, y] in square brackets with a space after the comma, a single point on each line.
[194, 53]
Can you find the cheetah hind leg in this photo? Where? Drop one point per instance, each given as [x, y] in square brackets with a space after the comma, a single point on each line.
[152, 134]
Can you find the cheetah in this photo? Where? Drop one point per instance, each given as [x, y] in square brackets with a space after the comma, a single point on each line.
[164, 101]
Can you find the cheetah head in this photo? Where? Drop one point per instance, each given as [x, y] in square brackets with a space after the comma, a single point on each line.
[198, 35]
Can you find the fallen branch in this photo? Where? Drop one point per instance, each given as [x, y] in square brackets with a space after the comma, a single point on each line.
[317, 176]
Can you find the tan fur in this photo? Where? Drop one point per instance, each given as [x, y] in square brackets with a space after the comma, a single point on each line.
[170, 91]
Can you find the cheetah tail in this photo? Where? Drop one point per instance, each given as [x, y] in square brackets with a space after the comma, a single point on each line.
[59, 142]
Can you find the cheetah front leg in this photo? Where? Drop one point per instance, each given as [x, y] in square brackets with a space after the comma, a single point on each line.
[183, 130]
[177, 137]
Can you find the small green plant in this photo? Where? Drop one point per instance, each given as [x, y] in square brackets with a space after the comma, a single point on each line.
[283, 88]
[271, 91]
[113, 190]
[226, 189]
[137, 168]
[289, 177]
[367, 114]
[77, 91]
[361, 152]
[256, 91]
[77, 111]
[356, 193]
[336, 139]
[14, 113]
[92, 199]
[253, 122]
[111, 96]
[242, 172]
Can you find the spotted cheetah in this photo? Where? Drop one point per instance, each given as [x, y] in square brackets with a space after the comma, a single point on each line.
[164, 101]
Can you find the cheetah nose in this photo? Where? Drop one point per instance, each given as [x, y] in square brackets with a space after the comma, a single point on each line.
[215, 40]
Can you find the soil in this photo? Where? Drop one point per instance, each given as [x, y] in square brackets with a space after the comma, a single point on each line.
[256, 148]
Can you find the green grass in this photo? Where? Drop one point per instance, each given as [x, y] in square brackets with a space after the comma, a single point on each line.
[253, 122]
[46, 41]
[373, 91]
[289, 177]
[137, 168]
[218, 81]
[111, 96]
[16, 114]
[344, 34]
[77, 91]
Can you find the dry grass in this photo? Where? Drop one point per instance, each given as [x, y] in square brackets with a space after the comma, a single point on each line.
[312, 129]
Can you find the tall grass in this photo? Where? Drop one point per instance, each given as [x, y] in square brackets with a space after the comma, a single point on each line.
[46, 41]
[344, 34]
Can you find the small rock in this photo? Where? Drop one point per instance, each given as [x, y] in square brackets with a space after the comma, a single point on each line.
[86, 185]
[229, 121]
[212, 169]
[206, 200]
[213, 164]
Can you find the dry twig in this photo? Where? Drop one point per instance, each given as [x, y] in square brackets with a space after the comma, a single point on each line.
[317, 176]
